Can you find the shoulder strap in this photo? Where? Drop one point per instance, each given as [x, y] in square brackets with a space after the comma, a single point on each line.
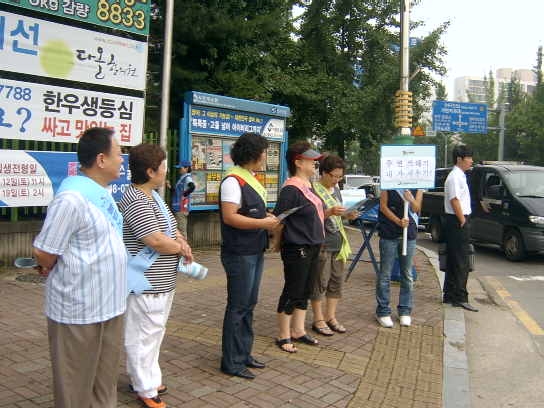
[309, 194]
[249, 178]
[142, 261]
[164, 211]
[97, 195]
[330, 201]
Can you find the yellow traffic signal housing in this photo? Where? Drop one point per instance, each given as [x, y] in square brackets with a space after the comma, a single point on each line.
[403, 109]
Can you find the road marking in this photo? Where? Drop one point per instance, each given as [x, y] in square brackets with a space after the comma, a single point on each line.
[526, 278]
[530, 324]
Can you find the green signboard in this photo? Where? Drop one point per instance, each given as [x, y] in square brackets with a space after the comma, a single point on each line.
[127, 15]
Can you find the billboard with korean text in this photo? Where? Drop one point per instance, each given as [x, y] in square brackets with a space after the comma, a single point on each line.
[127, 15]
[39, 47]
[29, 178]
[32, 111]
[232, 123]
[211, 125]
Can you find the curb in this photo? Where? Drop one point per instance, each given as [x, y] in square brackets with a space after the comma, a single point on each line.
[455, 389]
[490, 288]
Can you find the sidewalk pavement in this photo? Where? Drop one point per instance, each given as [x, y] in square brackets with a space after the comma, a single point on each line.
[366, 367]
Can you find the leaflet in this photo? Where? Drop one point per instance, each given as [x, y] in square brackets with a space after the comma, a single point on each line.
[288, 212]
[356, 206]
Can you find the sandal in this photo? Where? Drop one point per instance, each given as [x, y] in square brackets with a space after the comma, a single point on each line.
[283, 342]
[306, 339]
[337, 327]
[324, 331]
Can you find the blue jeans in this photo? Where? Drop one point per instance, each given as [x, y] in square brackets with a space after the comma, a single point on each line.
[243, 280]
[390, 249]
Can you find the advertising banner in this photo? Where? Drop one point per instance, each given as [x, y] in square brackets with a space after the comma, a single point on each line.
[31, 111]
[228, 123]
[127, 15]
[407, 166]
[29, 178]
[209, 128]
[241, 105]
[39, 47]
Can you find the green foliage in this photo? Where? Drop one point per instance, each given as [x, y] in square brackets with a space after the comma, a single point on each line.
[258, 50]
[525, 122]
[524, 136]
[440, 91]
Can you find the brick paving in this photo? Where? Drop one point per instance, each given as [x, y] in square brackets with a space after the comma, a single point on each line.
[366, 367]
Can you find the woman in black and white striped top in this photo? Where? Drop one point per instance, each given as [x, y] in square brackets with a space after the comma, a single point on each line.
[142, 217]
[144, 224]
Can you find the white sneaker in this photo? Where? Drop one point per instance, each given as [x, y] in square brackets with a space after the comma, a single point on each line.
[405, 321]
[385, 321]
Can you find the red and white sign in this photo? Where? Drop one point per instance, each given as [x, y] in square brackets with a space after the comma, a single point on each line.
[31, 111]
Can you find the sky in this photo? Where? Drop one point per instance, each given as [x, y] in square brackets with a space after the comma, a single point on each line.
[484, 34]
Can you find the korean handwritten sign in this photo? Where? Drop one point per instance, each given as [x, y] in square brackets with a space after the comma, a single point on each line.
[459, 117]
[39, 47]
[231, 123]
[31, 111]
[30, 178]
[407, 166]
[127, 15]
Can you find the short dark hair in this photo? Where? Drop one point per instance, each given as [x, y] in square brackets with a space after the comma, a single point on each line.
[247, 148]
[292, 152]
[143, 157]
[330, 162]
[461, 151]
[93, 142]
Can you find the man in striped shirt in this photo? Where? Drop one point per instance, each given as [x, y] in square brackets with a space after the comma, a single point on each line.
[80, 248]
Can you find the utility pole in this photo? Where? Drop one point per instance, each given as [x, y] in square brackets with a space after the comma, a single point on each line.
[501, 128]
[403, 97]
[166, 70]
[502, 114]
[446, 139]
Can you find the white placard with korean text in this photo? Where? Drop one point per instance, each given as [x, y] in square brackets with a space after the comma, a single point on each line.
[407, 166]
[30, 111]
[39, 47]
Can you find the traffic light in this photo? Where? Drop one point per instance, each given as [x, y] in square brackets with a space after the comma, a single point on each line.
[403, 109]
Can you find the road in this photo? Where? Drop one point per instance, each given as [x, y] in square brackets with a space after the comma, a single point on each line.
[505, 340]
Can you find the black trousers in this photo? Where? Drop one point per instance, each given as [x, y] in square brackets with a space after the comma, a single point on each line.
[457, 241]
[300, 269]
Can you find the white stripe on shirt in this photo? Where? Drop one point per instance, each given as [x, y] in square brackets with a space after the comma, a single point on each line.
[88, 284]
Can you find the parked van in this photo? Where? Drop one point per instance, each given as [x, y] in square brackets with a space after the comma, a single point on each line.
[507, 208]
[354, 181]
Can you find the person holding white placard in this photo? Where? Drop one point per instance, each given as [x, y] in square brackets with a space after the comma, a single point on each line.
[392, 222]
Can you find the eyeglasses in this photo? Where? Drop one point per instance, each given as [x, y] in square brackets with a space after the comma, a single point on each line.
[336, 176]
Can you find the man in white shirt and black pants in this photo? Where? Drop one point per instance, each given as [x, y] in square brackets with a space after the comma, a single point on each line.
[457, 231]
